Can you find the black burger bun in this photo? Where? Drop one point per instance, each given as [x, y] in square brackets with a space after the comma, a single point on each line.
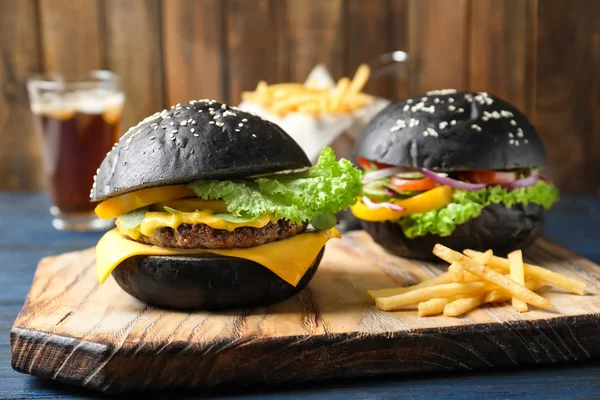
[498, 227]
[205, 282]
[198, 140]
[452, 131]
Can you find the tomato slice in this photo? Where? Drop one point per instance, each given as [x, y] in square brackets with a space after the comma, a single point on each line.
[489, 177]
[366, 164]
[412, 184]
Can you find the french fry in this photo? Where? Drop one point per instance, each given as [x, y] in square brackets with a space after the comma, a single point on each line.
[470, 277]
[283, 98]
[432, 306]
[517, 274]
[324, 103]
[292, 102]
[457, 272]
[360, 98]
[338, 94]
[490, 275]
[285, 86]
[538, 273]
[460, 275]
[436, 280]
[497, 296]
[501, 295]
[253, 96]
[311, 107]
[427, 293]
[284, 93]
[361, 76]
[262, 87]
[484, 258]
[461, 306]
[474, 279]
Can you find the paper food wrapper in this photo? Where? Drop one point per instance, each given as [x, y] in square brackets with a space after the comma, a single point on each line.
[313, 132]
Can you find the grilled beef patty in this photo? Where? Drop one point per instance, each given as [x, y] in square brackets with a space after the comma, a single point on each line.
[201, 236]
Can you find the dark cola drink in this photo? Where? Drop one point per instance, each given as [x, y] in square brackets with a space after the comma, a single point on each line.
[77, 124]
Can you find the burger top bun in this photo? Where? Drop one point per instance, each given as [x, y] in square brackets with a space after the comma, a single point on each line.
[199, 140]
[448, 130]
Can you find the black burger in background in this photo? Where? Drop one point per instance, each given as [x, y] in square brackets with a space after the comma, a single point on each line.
[216, 208]
[457, 168]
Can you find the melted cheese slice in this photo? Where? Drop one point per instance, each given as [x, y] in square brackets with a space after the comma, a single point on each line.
[125, 203]
[155, 220]
[289, 259]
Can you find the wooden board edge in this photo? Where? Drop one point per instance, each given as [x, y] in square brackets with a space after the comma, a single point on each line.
[45, 355]
[238, 361]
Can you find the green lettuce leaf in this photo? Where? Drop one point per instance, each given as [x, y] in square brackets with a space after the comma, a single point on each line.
[133, 219]
[171, 210]
[233, 218]
[326, 188]
[468, 204]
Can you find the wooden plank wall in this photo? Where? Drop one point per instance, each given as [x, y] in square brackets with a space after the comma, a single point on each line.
[543, 55]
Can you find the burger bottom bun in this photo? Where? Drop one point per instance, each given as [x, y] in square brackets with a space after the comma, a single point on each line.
[205, 282]
[498, 228]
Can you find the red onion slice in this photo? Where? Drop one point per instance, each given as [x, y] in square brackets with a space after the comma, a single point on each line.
[525, 182]
[373, 206]
[444, 180]
[380, 173]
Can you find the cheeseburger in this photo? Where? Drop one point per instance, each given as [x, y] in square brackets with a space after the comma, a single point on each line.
[457, 168]
[216, 208]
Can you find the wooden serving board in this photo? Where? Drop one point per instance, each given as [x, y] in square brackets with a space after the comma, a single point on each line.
[75, 331]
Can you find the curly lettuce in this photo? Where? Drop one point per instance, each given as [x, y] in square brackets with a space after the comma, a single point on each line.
[313, 195]
[468, 204]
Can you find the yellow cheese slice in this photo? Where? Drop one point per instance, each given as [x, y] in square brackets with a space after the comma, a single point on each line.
[125, 203]
[289, 259]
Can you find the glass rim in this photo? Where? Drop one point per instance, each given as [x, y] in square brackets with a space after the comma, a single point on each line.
[59, 81]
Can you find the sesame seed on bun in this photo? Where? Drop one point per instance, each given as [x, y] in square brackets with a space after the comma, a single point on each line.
[203, 139]
[448, 130]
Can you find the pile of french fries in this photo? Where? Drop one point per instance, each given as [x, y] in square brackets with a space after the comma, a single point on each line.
[284, 98]
[474, 279]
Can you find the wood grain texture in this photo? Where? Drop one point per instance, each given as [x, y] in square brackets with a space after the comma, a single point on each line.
[400, 32]
[20, 162]
[573, 222]
[192, 50]
[500, 49]
[593, 148]
[566, 97]
[133, 50]
[255, 34]
[71, 35]
[177, 50]
[369, 28]
[75, 331]
[316, 35]
[532, 58]
[438, 45]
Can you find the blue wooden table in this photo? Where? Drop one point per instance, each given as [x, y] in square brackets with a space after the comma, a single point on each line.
[26, 236]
